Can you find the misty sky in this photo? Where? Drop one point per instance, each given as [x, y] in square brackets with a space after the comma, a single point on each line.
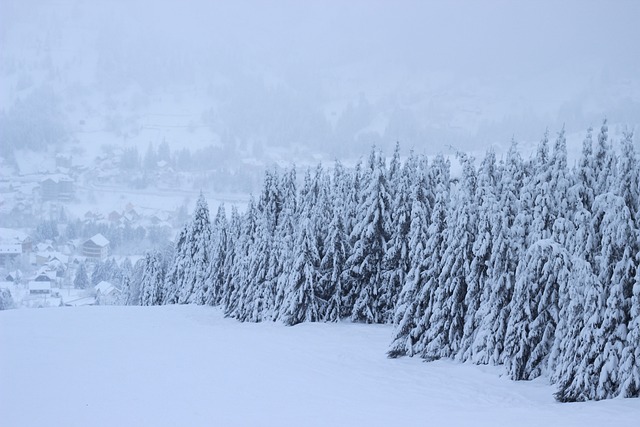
[451, 70]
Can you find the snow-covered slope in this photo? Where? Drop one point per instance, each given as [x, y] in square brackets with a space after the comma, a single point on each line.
[187, 365]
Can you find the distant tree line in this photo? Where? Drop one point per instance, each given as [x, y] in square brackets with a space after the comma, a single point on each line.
[121, 237]
[215, 167]
[526, 263]
[34, 122]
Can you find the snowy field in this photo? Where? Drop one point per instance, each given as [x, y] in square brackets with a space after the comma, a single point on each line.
[189, 366]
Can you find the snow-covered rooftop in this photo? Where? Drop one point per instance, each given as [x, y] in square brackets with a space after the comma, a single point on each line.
[105, 288]
[100, 240]
[11, 235]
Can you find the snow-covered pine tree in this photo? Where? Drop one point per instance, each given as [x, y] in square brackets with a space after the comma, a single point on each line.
[542, 209]
[195, 287]
[478, 285]
[186, 280]
[614, 328]
[81, 280]
[100, 272]
[233, 245]
[569, 301]
[534, 311]
[616, 271]
[302, 302]
[134, 292]
[126, 270]
[600, 343]
[321, 211]
[495, 311]
[394, 172]
[604, 162]
[629, 367]
[629, 190]
[396, 257]
[628, 178]
[176, 270]
[448, 309]
[125, 290]
[152, 279]
[262, 285]
[353, 197]
[240, 283]
[6, 299]
[563, 233]
[219, 246]
[410, 308]
[285, 243]
[566, 356]
[424, 334]
[560, 180]
[370, 236]
[577, 380]
[336, 244]
[585, 175]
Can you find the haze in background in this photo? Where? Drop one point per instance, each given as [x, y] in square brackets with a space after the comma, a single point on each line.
[283, 80]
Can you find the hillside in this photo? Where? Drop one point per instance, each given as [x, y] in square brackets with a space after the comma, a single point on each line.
[187, 365]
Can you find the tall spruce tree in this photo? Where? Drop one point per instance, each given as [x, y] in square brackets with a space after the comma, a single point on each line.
[534, 313]
[370, 236]
[410, 307]
[240, 282]
[188, 280]
[218, 249]
[630, 363]
[425, 334]
[604, 161]
[302, 302]
[232, 258]
[176, 270]
[396, 257]
[151, 283]
[448, 309]
[285, 242]
[478, 289]
[262, 286]
[614, 268]
[336, 244]
[563, 358]
[495, 309]
[81, 280]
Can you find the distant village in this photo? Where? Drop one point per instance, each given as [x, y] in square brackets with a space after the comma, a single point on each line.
[41, 274]
[43, 244]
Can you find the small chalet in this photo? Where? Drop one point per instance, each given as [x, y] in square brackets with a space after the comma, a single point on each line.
[96, 248]
[106, 293]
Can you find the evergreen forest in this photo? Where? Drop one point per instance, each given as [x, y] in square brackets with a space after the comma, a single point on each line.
[531, 264]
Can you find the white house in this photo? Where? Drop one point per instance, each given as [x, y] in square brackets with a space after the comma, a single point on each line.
[96, 248]
[106, 293]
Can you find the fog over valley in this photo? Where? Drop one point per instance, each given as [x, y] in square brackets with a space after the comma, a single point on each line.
[256, 212]
[282, 80]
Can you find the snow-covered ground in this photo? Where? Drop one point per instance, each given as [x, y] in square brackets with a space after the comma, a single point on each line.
[189, 366]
